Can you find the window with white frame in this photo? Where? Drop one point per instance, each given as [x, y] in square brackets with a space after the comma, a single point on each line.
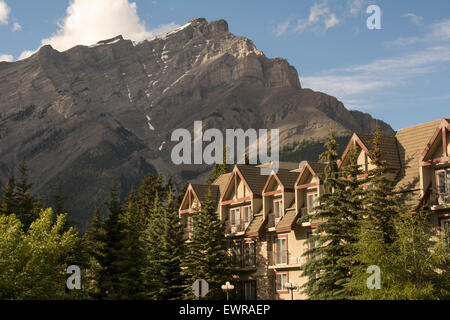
[281, 280]
[281, 251]
[191, 224]
[278, 208]
[443, 186]
[235, 216]
[312, 201]
[247, 214]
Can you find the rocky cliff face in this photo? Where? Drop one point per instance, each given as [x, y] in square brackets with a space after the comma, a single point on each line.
[81, 117]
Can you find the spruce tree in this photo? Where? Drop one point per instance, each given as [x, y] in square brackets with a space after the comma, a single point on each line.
[132, 251]
[219, 168]
[92, 248]
[8, 201]
[27, 207]
[109, 282]
[207, 255]
[165, 248]
[381, 202]
[331, 256]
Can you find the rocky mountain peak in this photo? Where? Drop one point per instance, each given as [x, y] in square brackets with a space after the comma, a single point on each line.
[82, 117]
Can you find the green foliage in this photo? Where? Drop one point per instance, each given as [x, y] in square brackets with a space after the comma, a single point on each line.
[33, 262]
[221, 168]
[340, 209]
[207, 255]
[164, 251]
[414, 266]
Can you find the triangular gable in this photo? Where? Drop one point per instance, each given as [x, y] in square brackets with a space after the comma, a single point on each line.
[307, 170]
[188, 200]
[354, 141]
[231, 189]
[438, 143]
[273, 184]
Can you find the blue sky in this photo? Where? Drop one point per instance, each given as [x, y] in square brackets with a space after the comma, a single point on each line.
[400, 74]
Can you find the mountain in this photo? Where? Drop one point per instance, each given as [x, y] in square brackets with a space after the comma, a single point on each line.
[82, 117]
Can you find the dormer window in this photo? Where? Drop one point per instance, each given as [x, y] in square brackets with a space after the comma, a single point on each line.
[278, 208]
[312, 201]
[443, 186]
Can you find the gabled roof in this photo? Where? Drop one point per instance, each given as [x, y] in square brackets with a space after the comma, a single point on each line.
[316, 169]
[253, 178]
[222, 182]
[389, 148]
[285, 177]
[203, 190]
[412, 142]
[440, 131]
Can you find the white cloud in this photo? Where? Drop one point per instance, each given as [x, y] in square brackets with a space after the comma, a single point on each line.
[355, 6]
[282, 28]
[318, 14]
[436, 32]
[415, 19]
[16, 27]
[4, 12]
[357, 83]
[6, 57]
[88, 22]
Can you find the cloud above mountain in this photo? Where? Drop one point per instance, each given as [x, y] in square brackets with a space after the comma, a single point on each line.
[4, 12]
[87, 22]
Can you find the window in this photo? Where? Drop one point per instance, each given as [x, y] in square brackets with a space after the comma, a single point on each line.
[281, 251]
[445, 230]
[281, 280]
[236, 255]
[247, 214]
[235, 216]
[249, 290]
[443, 186]
[250, 254]
[312, 202]
[278, 208]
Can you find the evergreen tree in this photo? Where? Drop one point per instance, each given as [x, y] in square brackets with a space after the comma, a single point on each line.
[207, 255]
[219, 168]
[92, 248]
[109, 259]
[27, 207]
[8, 201]
[382, 205]
[165, 248]
[331, 255]
[132, 251]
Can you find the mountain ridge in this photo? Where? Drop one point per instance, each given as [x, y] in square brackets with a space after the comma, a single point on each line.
[91, 113]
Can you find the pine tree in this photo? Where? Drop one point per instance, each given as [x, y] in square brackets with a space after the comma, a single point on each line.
[207, 255]
[164, 245]
[92, 248]
[331, 256]
[27, 207]
[132, 251]
[109, 282]
[219, 168]
[382, 205]
[8, 201]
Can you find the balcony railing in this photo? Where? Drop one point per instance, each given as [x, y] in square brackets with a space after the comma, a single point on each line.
[238, 226]
[439, 198]
[241, 261]
[285, 258]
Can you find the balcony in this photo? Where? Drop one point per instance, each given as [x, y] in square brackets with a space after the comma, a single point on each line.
[285, 260]
[243, 262]
[304, 213]
[439, 200]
